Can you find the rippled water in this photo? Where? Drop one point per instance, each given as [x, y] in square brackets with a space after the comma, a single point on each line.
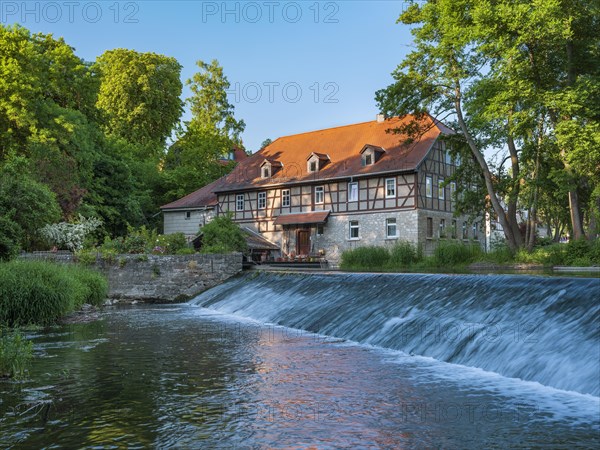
[189, 377]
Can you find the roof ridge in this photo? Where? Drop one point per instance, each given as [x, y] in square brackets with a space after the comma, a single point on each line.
[332, 128]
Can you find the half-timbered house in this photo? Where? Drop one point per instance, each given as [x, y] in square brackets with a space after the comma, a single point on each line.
[322, 192]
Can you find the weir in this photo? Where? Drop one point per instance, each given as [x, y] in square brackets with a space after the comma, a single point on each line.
[539, 329]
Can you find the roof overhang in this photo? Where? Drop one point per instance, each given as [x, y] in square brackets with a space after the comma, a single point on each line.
[374, 147]
[320, 156]
[316, 217]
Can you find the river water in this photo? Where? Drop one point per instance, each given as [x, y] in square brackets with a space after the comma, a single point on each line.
[222, 371]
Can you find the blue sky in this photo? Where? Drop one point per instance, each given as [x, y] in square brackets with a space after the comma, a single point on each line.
[294, 66]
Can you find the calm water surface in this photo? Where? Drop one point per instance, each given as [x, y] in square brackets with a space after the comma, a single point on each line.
[185, 376]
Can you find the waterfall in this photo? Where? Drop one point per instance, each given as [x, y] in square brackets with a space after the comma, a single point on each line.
[539, 329]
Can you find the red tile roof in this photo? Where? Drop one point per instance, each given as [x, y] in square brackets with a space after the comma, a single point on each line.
[343, 145]
[302, 218]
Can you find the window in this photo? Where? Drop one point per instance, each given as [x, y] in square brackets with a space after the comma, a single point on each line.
[390, 188]
[239, 202]
[452, 190]
[454, 230]
[441, 190]
[442, 228]
[188, 215]
[475, 230]
[465, 232]
[285, 197]
[429, 227]
[391, 230]
[312, 166]
[354, 231]
[368, 159]
[319, 194]
[428, 187]
[457, 160]
[352, 192]
[448, 157]
[266, 172]
[320, 230]
[262, 200]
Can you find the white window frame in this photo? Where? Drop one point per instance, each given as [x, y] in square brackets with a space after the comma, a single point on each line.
[239, 202]
[266, 172]
[286, 195]
[465, 231]
[310, 166]
[350, 185]
[262, 200]
[442, 227]
[353, 225]
[387, 188]
[441, 189]
[389, 222]
[448, 157]
[369, 162]
[429, 186]
[319, 195]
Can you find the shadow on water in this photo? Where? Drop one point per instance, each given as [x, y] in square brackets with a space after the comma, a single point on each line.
[188, 376]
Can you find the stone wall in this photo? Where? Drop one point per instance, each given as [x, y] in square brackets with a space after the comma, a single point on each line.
[167, 278]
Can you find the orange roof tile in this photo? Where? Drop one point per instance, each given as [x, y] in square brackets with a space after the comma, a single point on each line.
[343, 145]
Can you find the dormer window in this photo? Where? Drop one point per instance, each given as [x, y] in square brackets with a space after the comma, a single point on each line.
[269, 167]
[316, 161]
[370, 154]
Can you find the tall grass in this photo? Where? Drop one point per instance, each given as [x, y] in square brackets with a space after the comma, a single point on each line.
[456, 253]
[36, 292]
[365, 258]
[15, 354]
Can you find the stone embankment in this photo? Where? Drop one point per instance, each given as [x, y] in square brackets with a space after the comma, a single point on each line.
[158, 278]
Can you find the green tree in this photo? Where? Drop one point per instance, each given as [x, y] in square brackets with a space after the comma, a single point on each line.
[25, 206]
[498, 70]
[139, 97]
[193, 160]
[46, 95]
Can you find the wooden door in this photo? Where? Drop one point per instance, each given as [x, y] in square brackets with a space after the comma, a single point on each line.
[303, 242]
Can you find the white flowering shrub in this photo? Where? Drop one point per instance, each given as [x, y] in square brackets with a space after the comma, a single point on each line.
[70, 235]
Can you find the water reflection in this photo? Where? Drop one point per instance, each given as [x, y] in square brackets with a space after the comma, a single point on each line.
[162, 377]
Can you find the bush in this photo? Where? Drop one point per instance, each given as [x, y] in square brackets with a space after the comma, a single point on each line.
[222, 235]
[365, 258]
[35, 292]
[577, 250]
[456, 253]
[404, 254]
[15, 354]
[500, 254]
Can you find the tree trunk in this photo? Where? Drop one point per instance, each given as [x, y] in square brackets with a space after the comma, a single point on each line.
[502, 218]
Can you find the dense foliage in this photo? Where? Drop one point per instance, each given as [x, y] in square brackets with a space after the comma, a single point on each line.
[222, 235]
[35, 292]
[92, 138]
[457, 255]
[520, 83]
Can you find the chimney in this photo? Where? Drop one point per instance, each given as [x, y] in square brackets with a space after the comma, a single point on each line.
[380, 118]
